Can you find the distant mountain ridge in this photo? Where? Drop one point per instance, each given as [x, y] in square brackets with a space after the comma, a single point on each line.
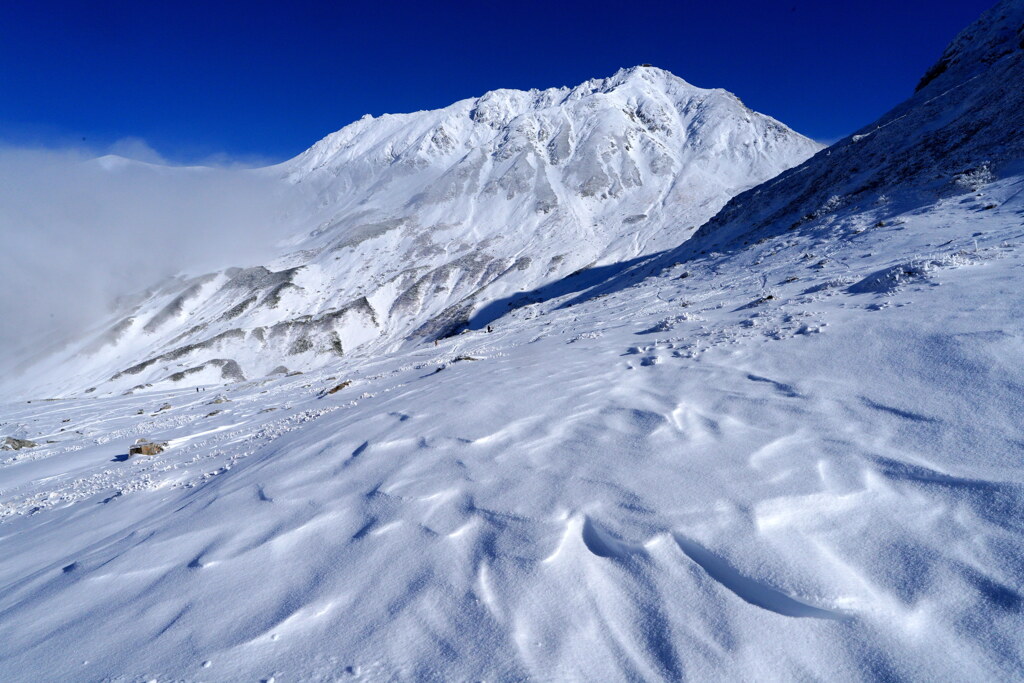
[412, 222]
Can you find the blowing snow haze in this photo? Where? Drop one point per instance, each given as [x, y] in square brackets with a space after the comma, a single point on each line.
[80, 231]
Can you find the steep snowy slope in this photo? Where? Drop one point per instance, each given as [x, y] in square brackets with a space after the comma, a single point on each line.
[960, 130]
[410, 223]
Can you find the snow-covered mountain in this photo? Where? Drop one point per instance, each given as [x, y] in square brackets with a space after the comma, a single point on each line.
[411, 224]
[789, 449]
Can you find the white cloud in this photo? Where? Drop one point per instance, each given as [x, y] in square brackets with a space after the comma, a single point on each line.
[77, 231]
[136, 148]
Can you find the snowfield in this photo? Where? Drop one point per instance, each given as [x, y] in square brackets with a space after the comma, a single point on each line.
[763, 471]
[787, 447]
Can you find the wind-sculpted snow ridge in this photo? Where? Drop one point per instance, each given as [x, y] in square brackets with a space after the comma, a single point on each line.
[413, 222]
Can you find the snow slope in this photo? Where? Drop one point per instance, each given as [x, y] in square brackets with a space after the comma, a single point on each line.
[794, 459]
[960, 130]
[406, 225]
[672, 480]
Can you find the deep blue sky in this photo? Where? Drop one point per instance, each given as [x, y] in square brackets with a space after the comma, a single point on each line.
[264, 80]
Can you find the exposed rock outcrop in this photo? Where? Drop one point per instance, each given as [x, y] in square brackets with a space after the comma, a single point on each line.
[12, 444]
[146, 447]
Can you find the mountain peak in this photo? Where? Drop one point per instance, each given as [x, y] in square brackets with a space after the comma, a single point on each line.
[414, 225]
[643, 91]
[642, 76]
[646, 72]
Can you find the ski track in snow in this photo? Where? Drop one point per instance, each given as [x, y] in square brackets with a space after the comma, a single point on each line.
[683, 479]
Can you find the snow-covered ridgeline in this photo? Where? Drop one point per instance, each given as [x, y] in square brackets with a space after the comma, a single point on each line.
[411, 224]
